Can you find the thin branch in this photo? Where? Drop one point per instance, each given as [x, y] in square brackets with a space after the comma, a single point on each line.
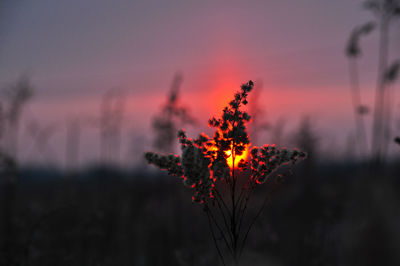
[209, 212]
[357, 105]
[214, 238]
[222, 200]
[266, 200]
[239, 199]
[225, 220]
[248, 189]
[233, 217]
[241, 217]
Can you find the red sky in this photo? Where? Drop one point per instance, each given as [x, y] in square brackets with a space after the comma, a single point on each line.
[75, 51]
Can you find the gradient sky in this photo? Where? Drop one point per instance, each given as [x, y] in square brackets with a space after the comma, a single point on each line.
[74, 51]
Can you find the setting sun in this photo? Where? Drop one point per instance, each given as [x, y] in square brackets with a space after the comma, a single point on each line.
[229, 160]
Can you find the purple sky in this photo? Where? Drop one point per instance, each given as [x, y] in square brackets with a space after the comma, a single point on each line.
[74, 51]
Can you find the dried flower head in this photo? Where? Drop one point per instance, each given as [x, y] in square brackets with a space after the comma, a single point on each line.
[206, 160]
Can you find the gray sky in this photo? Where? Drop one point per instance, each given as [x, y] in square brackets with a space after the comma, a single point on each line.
[76, 50]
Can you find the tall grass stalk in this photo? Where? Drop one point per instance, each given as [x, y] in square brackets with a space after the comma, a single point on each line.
[221, 177]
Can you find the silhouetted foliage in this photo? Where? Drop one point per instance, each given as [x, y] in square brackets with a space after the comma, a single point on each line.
[353, 49]
[353, 52]
[392, 72]
[385, 12]
[16, 97]
[172, 116]
[207, 165]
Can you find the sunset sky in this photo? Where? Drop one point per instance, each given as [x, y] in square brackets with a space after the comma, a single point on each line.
[74, 51]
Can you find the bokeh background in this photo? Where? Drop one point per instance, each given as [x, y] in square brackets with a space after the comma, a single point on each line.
[88, 86]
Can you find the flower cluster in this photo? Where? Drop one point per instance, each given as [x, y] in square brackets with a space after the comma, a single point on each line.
[268, 158]
[196, 166]
[171, 163]
[206, 160]
[231, 138]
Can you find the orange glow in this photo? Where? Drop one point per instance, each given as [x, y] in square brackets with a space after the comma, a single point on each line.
[229, 160]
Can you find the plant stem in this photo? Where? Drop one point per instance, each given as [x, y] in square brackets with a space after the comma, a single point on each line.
[233, 217]
[214, 238]
[224, 219]
[356, 101]
[209, 212]
[379, 113]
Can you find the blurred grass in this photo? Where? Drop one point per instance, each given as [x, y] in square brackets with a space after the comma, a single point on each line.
[336, 215]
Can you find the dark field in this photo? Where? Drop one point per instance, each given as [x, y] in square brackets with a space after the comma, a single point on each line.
[106, 216]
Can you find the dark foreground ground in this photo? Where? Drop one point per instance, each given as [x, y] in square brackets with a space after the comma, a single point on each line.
[331, 214]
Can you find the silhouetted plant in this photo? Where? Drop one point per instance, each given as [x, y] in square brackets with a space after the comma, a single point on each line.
[172, 116]
[353, 52]
[211, 168]
[385, 11]
[17, 95]
[389, 77]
